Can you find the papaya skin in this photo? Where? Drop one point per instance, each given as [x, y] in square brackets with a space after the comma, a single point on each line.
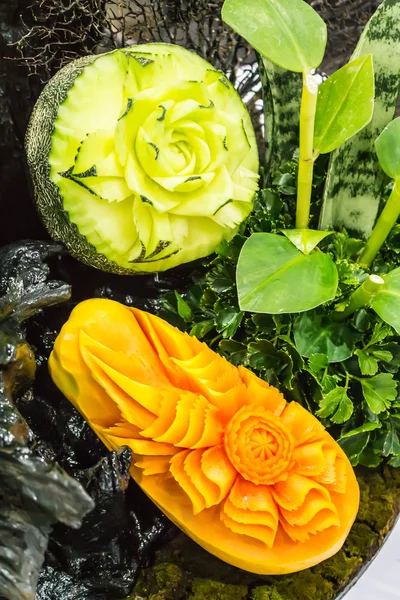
[254, 480]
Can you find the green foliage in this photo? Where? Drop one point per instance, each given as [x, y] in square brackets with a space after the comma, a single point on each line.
[345, 104]
[289, 33]
[347, 373]
[313, 321]
[379, 391]
[317, 334]
[274, 277]
[337, 405]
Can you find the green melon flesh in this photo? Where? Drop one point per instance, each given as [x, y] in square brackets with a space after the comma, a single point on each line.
[142, 159]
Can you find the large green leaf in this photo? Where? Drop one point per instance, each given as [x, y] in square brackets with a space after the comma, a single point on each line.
[345, 104]
[388, 149]
[355, 179]
[386, 303]
[316, 334]
[273, 276]
[289, 33]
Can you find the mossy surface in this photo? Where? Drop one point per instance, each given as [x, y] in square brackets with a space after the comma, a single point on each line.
[265, 592]
[206, 589]
[184, 571]
[164, 581]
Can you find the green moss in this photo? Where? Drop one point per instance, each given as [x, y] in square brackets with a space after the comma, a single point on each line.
[392, 478]
[338, 568]
[361, 536]
[305, 585]
[206, 589]
[165, 581]
[376, 502]
[264, 592]
[194, 559]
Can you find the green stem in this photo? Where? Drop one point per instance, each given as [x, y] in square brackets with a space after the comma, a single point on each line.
[384, 225]
[306, 158]
[346, 385]
[361, 297]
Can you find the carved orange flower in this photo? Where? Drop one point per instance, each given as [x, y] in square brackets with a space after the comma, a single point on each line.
[253, 479]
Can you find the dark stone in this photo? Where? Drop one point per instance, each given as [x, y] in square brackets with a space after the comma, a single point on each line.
[34, 493]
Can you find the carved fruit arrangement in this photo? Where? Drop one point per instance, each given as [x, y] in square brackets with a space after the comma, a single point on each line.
[253, 479]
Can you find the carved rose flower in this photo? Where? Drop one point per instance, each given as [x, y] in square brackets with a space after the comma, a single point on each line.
[154, 156]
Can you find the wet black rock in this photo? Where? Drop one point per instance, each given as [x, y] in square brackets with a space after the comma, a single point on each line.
[34, 493]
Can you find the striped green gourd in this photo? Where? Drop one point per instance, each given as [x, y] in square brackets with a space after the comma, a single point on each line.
[355, 180]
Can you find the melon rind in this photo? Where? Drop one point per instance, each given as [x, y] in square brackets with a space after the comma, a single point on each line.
[38, 142]
[38, 145]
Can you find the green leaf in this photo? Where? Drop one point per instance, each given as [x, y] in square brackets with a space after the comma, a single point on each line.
[184, 310]
[380, 332]
[362, 320]
[383, 355]
[263, 355]
[345, 104]
[354, 445]
[365, 427]
[387, 147]
[386, 303]
[395, 461]
[355, 179]
[235, 351]
[379, 391]
[391, 444]
[201, 329]
[395, 419]
[328, 383]
[274, 277]
[338, 404]
[286, 373]
[285, 184]
[367, 363]
[315, 334]
[305, 240]
[222, 278]
[317, 362]
[369, 458]
[264, 323]
[289, 33]
[228, 321]
[295, 364]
